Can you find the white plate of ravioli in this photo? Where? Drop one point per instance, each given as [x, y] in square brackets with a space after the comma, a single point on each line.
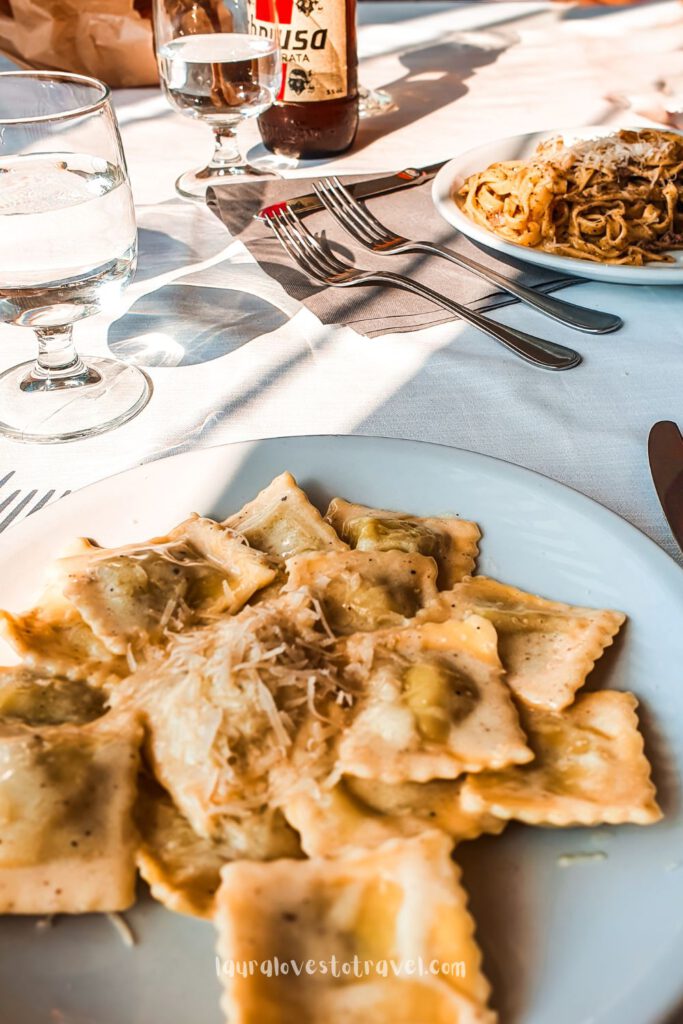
[363, 737]
[517, 194]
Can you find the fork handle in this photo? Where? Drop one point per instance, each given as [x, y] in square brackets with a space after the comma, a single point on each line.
[535, 350]
[593, 321]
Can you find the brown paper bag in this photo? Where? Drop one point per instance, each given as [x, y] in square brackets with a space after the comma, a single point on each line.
[110, 39]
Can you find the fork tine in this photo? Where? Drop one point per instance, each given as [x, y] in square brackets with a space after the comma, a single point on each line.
[376, 231]
[305, 254]
[295, 253]
[331, 263]
[18, 508]
[22, 506]
[303, 247]
[6, 477]
[301, 242]
[344, 209]
[9, 500]
[39, 504]
[370, 222]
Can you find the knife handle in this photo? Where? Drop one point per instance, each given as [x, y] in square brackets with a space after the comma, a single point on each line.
[303, 205]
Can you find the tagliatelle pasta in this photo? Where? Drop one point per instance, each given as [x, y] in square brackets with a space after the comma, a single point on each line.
[615, 199]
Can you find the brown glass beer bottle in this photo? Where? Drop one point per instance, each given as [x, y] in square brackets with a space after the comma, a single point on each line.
[316, 112]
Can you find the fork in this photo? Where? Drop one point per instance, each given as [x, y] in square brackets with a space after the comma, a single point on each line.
[371, 233]
[325, 267]
[17, 506]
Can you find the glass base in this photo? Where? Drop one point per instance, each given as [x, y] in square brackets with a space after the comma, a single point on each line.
[374, 102]
[193, 184]
[113, 393]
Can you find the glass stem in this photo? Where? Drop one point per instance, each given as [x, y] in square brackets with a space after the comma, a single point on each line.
[58, 364]
[226, 152]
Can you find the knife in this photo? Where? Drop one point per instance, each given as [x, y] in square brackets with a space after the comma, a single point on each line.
[360, 190]
[665, 451]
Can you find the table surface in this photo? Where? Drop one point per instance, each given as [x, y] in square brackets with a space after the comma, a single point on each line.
[233, 357]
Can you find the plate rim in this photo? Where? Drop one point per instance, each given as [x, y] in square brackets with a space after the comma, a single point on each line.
[604, 272]
[668, 563]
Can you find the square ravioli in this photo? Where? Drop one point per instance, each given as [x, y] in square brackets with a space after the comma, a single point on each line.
[361, 591]
[53, 639]
[453, 543]
[282, 521]
[435, 804]
[590, 769]
[224, 706]
[66, 817]
[362, 813]
[32, 699]
[182, 868]
[400, 906]
[133, 596]
[547, 648]
[101, 605]
[432, 704]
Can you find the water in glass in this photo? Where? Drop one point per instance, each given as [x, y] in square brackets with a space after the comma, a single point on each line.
[220, 76]
[215, 67]
[69, 237]
[68, 245]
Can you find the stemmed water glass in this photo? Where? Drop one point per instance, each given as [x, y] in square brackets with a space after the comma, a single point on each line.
[68, 246]
[213, 66]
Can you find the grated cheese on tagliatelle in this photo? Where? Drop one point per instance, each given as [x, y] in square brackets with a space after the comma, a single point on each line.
[616, 199]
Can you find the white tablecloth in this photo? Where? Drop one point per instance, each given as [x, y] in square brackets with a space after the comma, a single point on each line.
[232, 357]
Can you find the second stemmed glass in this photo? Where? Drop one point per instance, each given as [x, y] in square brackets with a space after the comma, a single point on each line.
[213, 68]
[374, 102]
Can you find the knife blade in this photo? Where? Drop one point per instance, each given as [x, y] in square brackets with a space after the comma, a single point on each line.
[665, 452]
[303, 205]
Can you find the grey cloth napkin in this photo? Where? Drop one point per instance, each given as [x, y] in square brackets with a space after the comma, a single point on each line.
[373, 310]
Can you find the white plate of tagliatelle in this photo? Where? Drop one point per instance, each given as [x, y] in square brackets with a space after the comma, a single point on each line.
[597, 202]
[388, 731]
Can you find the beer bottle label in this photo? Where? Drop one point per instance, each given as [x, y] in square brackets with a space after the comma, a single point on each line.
[313, 42]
